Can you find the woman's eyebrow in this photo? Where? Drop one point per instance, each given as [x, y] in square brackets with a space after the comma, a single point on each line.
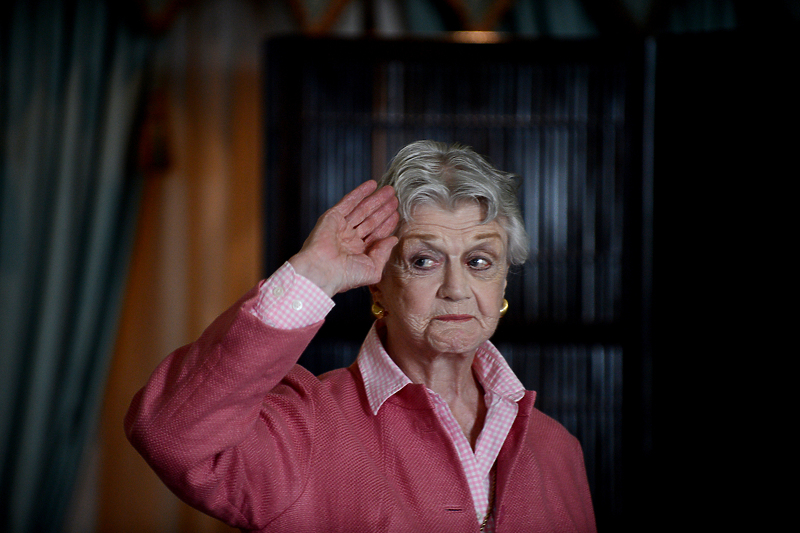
[488, 236]
[424, 237]
[421, 236]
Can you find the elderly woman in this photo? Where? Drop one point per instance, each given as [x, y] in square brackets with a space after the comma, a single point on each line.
[429, 430]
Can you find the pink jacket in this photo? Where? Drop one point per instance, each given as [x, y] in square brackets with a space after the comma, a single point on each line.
[236, 429]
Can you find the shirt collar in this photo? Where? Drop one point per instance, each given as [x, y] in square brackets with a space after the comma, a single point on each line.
[383, 378]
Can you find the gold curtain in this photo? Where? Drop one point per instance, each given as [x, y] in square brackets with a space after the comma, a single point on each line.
[198, 245]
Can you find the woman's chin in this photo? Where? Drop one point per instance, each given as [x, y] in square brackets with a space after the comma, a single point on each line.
[455, 337]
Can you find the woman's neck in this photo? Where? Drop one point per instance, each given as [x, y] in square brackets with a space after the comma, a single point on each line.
[448, 375]
[452, 378]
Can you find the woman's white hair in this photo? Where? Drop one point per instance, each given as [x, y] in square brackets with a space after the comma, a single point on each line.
[433, 173]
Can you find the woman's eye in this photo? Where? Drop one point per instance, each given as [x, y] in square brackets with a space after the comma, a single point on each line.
[479, 263]
[422, 262]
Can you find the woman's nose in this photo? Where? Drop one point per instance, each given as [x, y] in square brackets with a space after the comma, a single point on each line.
[454, 284]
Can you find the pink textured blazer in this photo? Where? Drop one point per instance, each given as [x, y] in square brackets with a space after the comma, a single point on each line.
[238, 430]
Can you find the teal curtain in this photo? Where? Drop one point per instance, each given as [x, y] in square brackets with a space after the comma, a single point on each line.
[70, 83]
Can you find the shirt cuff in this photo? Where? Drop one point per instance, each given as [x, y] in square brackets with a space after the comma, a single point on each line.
[287, 300]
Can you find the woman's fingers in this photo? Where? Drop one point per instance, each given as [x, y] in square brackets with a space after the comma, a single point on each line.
[368, 229]
[364, 209]
[381, 251]
[370, 205]
[383, 228]
[351, 200]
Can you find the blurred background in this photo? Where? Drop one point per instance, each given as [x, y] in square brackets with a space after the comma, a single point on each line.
[144, 180]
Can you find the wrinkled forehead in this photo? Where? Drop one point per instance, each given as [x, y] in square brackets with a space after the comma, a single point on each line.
[432, 206]
[465, 222]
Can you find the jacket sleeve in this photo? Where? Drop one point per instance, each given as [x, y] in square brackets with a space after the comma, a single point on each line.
[227, 421]
[583, 509]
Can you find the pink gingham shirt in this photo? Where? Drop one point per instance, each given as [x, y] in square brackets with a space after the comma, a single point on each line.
[288, 300]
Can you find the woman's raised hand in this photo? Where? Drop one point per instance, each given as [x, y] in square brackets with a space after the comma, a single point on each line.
[351, 242]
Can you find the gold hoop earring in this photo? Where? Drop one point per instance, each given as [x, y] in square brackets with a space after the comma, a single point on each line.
[378, 311]
[504, 307]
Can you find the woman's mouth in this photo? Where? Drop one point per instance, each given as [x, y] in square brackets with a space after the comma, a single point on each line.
[453, 318]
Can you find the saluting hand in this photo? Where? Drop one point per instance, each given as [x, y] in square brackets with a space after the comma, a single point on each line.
[351, 242]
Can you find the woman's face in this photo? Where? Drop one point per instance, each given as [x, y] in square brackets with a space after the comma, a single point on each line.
[443, 286]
